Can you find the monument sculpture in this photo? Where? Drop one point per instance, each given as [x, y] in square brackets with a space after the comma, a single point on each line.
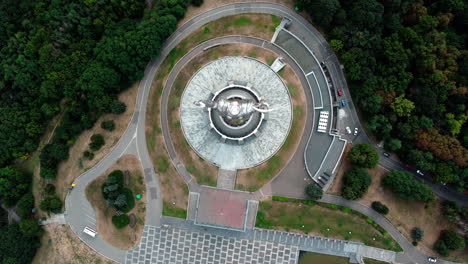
[235, 109]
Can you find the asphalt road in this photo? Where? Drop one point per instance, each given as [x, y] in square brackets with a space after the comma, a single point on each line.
[79, 211]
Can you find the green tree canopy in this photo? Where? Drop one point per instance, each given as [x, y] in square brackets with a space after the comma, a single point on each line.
[407, 187]
[355, 183]
[363, 155]
[314, 191]
[13, 184]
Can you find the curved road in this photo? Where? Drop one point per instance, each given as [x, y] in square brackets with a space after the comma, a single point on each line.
[133, 141]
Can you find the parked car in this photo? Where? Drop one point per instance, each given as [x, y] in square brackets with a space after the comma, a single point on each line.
[431, 259]
[348, 130]
[355, 130]
[343, 103]
[340, 92]
[386, 154]
[420, 172]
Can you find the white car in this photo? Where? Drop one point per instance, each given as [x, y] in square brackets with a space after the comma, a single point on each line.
[355, 130]
[348, 130]
[420, 172]
[433, 260]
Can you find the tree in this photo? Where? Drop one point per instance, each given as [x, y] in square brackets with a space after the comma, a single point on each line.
[372, 104]
[51, 204]
[417, 234]
[336, 45]
[356, 182]
[380, 125]
[402, 106]
[367, 14]
[392, 144]
[13, 184]
[449, 240]
[30, 228]
[49, 189]
[118, 107]
[407, 187]
[314, 192]
[108, 125]
[120, 221]
[25, 205]
[97, 141]
[323, 10]
[363, 155]
[379, 207]
[15, 246]
[454, 212]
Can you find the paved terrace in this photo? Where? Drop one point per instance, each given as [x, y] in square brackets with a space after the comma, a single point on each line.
[180, 241]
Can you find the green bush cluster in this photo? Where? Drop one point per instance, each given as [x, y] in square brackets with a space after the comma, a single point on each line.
[108, 125]
[97, 141]
[379, 207]
[120, 221]
[51, 204]
[115, 194]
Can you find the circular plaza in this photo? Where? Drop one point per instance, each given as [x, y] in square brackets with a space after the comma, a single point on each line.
[235, 112]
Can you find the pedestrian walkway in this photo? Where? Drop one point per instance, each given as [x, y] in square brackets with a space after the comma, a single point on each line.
[226, 179]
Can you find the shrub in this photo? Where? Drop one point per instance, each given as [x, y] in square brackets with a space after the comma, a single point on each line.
[130, 200]
[97, 141]
[417, 234]
[25, 205]
[363, 155]
[120, 221]
[314, 191]
[196, 2]
[452, 240]
[355, 184]
[108, 125]
[88, 155]
[51, 204]
[49, 189]
[380, 207]
[407, 187]
[118, 107]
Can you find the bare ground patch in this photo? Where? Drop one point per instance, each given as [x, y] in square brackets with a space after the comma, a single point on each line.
[405, 215]
[70, 169]
[127, 237]
[60, 245]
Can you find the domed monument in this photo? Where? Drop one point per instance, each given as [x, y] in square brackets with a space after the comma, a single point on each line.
[236, 112]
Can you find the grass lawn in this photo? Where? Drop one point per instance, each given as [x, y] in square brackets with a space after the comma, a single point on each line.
[319, 220]
[171, 210]
[315, 258]
[373, 261]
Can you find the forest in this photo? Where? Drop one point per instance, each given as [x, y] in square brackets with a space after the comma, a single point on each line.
[406, 63]
[67, 59]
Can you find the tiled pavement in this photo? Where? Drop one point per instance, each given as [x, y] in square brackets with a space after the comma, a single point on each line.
[169, 244]
[181, 241]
